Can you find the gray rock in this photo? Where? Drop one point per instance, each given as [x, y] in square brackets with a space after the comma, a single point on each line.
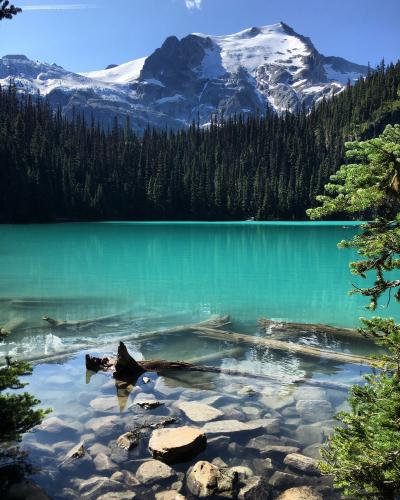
[307, 393]
[314, 410]
[313, 451]
[177, 444]
[248, 390]
[26, 490]
[104, 426]
[255, 488]
[302, 463]
[105, 404]
[271, 425]
[97, 486]
[128, 440]
[240, 471]
[251, 411]
[103, 463]
[277, 402]
[78, 451]
[282, 480]
[231, 427]
[261, 442]
[262, 466]
[154, 471]
[97, 448]
[301, 493]
[169, 495]
[278, 452]
[199, 412]
[149, 404]
[309, 433]
[55, 425]
[205, 479]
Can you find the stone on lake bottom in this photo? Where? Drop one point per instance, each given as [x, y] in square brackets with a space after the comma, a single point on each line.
[205, 480]
[278, 452]
[301, 493]
[128, 440]
[105, 404]
[309, 433]
[169, 495]
[97, 486]
[103, 463]
[301, 463]
[55, 425]
[154, 471]
[149, 404]
[314, 410]
[78, 451]
[118, 495]
[285, 480]
[199, 412]
[255, 488]
[231, 427]
[177, 444]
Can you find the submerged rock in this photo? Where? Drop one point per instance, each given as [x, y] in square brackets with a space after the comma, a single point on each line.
[55, 425]
[255, 488]
[26, 490]
[104, 426]
[285, 480]
[154, 471]
[314, 410]
[103, 463]
[301, 493]
[199, 412]
[310, 433]
[128, 440]
[231, 426]
[177, 444]
[97, 486]
[278, 452]
[301, 463]
[105, 404]
[78, 451]
[169, 495]
[205, 479]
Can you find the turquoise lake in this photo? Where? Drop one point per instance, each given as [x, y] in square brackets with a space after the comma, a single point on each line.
[137, 282]
[161, 274]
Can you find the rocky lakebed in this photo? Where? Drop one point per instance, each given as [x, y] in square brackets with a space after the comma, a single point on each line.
[185, 435]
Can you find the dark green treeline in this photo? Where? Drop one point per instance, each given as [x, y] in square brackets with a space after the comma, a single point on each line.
[271, 168]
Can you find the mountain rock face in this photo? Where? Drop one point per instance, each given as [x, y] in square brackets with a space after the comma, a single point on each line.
[192, 79]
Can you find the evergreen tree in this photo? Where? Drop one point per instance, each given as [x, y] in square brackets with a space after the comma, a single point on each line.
[8, 11]
[364, 454]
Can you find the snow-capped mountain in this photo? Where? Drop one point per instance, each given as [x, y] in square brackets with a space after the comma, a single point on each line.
[194, 78]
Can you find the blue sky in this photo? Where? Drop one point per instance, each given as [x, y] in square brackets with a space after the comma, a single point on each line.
[92, 34]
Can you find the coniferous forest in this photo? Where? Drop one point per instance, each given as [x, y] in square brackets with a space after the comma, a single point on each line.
[270, 168]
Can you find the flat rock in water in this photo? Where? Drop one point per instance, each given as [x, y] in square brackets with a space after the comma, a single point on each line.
[314, 410]
[307, 393]
[285, 480]
[231, 427]
[97, 486]
[154, 471]
[278, 452]
[277, 402]
[301, 493]
[105, 404]
[177, 444]
[103, 463]
[310, 433]
[199, 412]
[103, 426]
[301, 463]
[313, 451]
[55, 425]
[271, 425]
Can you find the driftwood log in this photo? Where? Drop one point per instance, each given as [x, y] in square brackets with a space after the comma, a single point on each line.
[280, 345]
[125, 367]
[283, 327]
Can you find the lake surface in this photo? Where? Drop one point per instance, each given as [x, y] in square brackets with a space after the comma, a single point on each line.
[148, 277]
[158, 274]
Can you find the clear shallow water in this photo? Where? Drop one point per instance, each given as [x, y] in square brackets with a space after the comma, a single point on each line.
[150, 276]
[160, 274]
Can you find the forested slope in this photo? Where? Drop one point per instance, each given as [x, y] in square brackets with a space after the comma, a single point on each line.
[271, 168]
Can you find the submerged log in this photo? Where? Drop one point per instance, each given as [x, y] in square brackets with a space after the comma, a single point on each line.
[286, 346]
[285, 327]
[127, 368]
[79, 323]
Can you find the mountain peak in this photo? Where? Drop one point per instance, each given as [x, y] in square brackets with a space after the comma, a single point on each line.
[252, 71]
